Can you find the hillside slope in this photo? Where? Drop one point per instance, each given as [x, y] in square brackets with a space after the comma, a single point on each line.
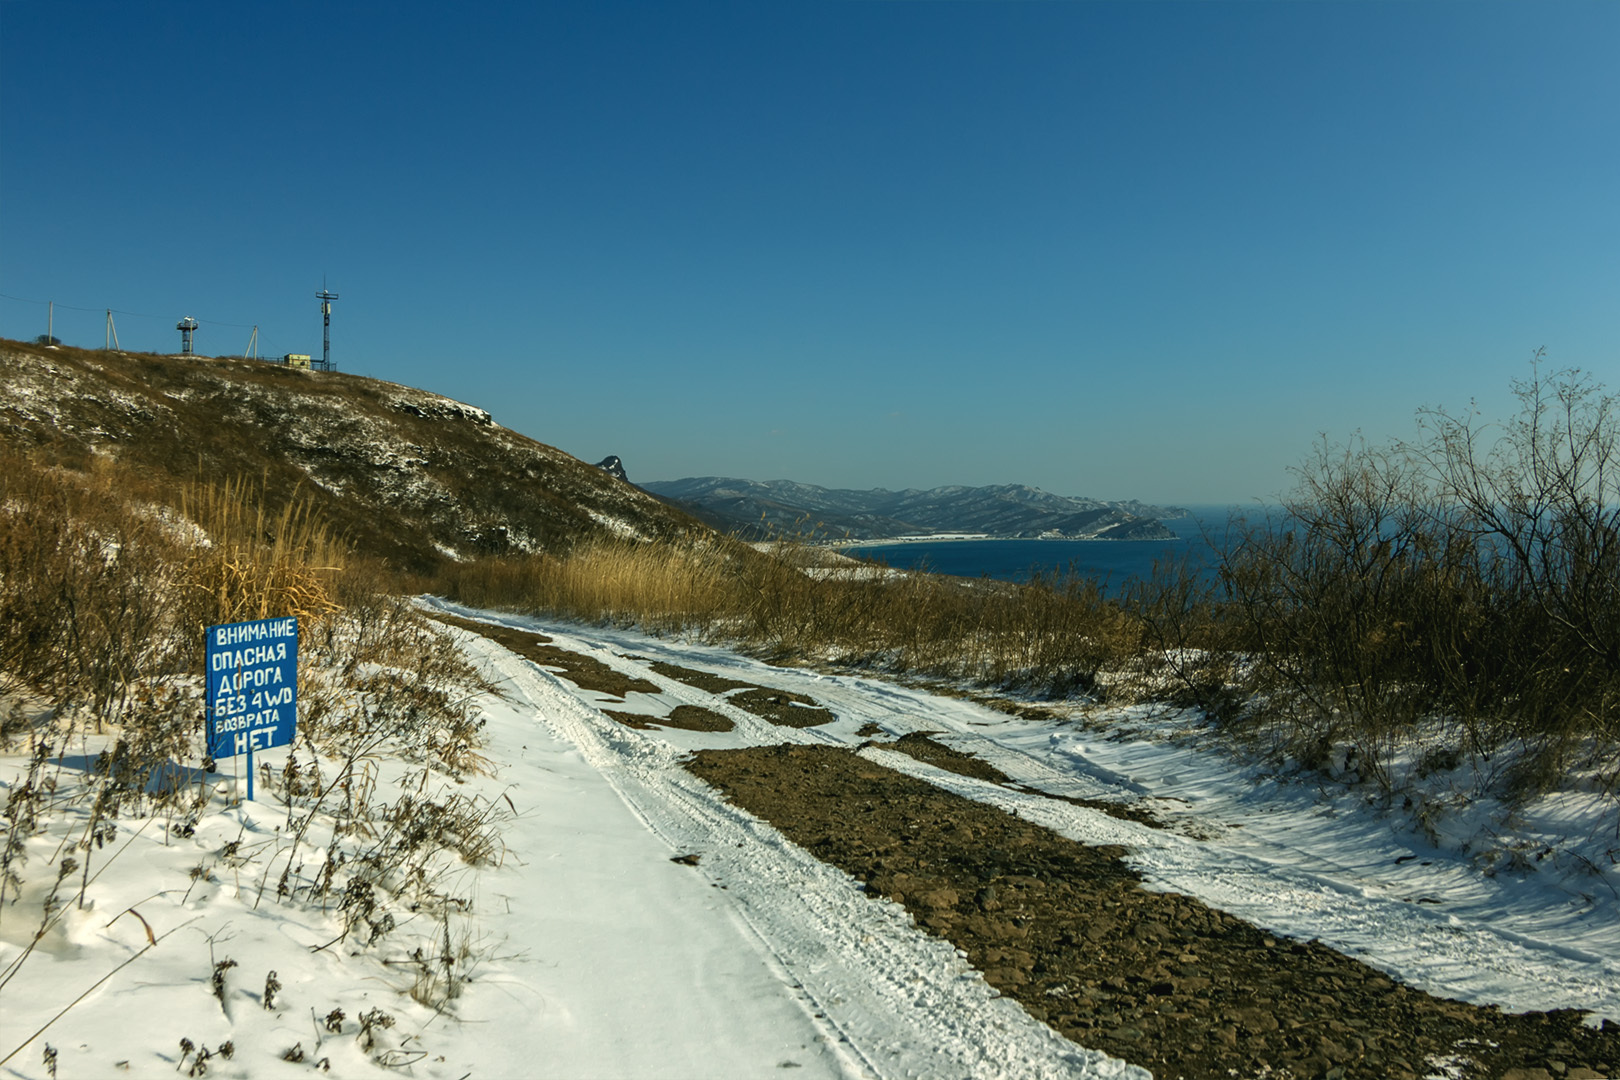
[408, 475]
[999, 510]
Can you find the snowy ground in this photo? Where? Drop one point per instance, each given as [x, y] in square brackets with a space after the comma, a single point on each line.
[599, 956]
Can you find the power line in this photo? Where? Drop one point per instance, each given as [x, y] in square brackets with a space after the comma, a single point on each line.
[70, 307]
[256, 343]
[118, 311]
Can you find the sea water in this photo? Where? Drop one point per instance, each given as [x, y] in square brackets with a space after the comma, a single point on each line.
[1112, 563]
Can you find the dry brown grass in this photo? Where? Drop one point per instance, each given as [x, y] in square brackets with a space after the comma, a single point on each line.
[85, 581]
[259, 562]
[106, 581]
[1050, 636]
[400, 473]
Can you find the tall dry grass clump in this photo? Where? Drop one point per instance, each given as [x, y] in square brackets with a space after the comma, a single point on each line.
[670, 587]
[104, 594]
[105, 587]
[257, 561]
[790, 601]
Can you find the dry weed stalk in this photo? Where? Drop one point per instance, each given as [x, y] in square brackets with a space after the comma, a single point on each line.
[89, 626]
[259, 563]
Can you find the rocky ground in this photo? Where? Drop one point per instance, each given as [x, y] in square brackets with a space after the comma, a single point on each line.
[1158, 979]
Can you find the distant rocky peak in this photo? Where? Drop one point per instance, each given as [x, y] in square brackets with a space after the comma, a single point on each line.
[613, 467]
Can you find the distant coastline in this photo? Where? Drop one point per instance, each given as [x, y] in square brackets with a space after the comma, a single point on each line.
[1113, 563]
[943, 538]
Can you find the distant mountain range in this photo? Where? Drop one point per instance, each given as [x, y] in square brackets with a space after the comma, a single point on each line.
[756, 508]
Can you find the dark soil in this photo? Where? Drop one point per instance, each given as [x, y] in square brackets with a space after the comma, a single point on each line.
[639, 721]
[1155, 978]
[686, 717]
[703, 680]
[505, 635]
[782, 707]
[697, 718]
[919, 745]
[585, 672]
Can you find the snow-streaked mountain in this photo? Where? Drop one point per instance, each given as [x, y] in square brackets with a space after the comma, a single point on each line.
[1003, 510]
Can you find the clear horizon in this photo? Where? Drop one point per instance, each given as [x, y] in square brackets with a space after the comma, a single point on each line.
[1119, 250]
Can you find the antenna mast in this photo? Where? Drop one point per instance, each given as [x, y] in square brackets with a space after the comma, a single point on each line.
[326, 299]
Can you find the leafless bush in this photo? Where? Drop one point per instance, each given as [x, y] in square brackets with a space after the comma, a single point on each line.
[1542, 499]
[1186, 655]
[1465, 584]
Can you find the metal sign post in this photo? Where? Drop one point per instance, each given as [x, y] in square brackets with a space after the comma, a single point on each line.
[252, 672]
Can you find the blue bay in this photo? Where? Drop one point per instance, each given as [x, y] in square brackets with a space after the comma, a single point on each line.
[1111, 562]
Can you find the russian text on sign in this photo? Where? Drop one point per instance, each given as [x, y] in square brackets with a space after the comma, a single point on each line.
[252, 685]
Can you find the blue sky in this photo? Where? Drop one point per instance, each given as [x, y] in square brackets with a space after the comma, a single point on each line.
[1126, 250]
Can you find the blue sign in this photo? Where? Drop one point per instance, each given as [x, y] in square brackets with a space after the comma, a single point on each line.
[252, 686]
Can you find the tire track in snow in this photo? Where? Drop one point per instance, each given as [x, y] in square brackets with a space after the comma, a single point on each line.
[893, 1001]
[1288, 889]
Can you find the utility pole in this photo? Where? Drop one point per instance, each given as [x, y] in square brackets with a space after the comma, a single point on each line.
[252, 352]
[326, 299]
[112, 333]
[50, 324]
